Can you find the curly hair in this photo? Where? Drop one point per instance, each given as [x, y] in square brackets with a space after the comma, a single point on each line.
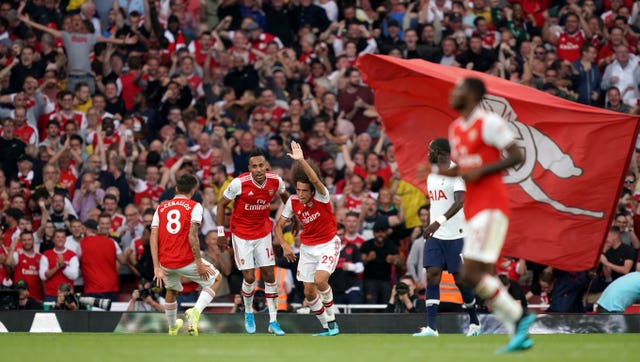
[298, 174]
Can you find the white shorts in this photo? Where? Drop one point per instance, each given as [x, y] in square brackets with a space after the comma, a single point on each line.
[172, 276]
[318, 257]
[251, 254]
[485, 236]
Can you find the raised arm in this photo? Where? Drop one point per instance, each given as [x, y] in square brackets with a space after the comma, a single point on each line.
[297, 155]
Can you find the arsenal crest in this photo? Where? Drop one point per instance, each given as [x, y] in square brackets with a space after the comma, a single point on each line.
[270, 192]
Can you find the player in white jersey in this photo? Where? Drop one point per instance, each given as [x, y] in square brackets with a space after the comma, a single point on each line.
[443, 248]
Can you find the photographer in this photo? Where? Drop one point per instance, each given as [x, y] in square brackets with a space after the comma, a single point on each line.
[145, 299]
[403, 299]
[66, 299]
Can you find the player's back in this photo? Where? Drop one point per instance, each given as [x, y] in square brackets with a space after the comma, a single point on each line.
[474, 144]
[173, 219]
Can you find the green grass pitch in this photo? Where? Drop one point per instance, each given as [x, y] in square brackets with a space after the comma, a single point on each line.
[298, 347]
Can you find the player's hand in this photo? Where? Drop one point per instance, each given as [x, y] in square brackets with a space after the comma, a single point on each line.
[287, 251]
[203, 271]
[158, 276]
[223, 244]
[431, 229]
[472, 175]
[296, 151]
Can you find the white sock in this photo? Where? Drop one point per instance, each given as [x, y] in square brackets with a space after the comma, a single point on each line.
[318, 309]
[327, 300]
[205, 297]
[505, 308]
[271, 294]
[171, 310]
[247, 296]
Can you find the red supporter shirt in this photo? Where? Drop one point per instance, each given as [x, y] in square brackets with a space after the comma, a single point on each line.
[117, 220]
[173, 220]
[569, 45]
[475, 143]
[250, 217]
[26, 268]
[51, 284]
[144, 189]
[317, 219]
[385, 173]
[98, 266]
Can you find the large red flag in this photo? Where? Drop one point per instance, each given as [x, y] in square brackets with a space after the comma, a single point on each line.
[562, 196]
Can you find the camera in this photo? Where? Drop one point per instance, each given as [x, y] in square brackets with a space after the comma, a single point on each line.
[402, 288]
[86, 303]
[101, 303]
[144, 293]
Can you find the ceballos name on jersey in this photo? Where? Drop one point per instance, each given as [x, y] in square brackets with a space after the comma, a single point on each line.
[175, 203]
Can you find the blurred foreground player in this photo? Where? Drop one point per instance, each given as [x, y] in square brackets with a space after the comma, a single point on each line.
[478, 138]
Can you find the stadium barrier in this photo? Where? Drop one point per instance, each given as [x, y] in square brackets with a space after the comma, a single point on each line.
[211, 323]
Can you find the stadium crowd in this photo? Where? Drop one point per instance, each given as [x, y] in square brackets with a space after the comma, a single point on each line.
[104, 104]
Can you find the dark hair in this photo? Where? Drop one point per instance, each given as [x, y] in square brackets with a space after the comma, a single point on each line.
[298, 174]
[186, 183]
[441, 144]
[256, 152]
[425, 207]
[614, 229]
[278, 139]
[340, 226]
[476, 87]
[110, 197]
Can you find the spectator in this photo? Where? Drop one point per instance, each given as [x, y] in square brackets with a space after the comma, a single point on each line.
[58, 267]
[26, 262]
[11, 148]
[25, 301]
[88, 197]
[354, 99]
[617, 258]
[621, 73]
[98, 255]
[378, 255]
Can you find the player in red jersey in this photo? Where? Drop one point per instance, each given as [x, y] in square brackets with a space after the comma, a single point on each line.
[478, 138]
[175, 250]
[320, 250]
[251, 234]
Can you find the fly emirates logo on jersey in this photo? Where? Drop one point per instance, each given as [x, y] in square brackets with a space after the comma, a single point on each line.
[307, 217]
[260, 205]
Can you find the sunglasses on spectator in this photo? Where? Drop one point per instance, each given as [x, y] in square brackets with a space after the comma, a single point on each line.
[629, 181]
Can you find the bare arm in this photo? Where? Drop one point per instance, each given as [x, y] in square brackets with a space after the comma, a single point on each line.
[33, 24]
[296, 154]
[194, 242]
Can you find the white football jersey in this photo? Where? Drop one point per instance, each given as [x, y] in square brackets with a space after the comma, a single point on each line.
[440, 189]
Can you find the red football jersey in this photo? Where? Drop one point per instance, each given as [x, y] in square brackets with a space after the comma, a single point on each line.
[317, 218]
[98, 265]
[569, 45]
[173, 220]
[26, 268]
[51, 284]
[475, 143]
[250, 217]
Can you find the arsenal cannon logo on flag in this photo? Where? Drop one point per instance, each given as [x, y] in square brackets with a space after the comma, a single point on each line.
[565, 192]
